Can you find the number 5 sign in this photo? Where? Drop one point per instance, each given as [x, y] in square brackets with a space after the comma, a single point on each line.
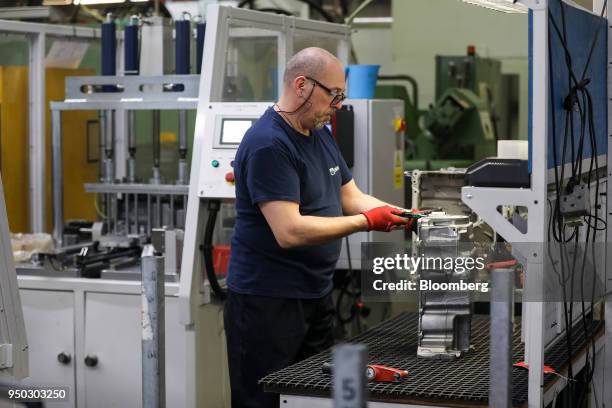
[349, 381]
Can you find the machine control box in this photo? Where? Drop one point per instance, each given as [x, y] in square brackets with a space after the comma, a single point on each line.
[221, 132]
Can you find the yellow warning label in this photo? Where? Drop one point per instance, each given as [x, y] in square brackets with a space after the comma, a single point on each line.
[398, 171]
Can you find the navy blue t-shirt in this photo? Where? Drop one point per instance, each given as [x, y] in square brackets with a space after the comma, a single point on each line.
[275, 162]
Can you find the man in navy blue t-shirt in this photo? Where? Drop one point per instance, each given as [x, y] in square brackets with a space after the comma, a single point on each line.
[295, 200]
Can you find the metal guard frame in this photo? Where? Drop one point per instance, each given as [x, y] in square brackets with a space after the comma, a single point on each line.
[484, 201]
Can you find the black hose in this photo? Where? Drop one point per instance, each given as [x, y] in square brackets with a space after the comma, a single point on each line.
[245, 2]
[320, 10]
[207, 249]
[408, 78]
[274, 10]
[344, 7]
[312, 4]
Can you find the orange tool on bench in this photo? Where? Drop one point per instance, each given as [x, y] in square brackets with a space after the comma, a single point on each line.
[375, 372]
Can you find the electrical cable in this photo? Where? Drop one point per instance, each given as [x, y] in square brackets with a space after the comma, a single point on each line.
[556, 212]
[579, 99]
[344, 290]
[299, 108]
[207, 249]
[312, 5]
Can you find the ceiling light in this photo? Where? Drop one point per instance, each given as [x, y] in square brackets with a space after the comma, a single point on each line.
[507, 6]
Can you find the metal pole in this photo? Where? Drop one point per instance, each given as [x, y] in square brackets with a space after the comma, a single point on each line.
[36, 132]
[58, 176]
[102, 161]
[182, 132]
[131, 147]
[136, 230]
[156, 178]
[109, 152]
[153, 343]
[500, 368]
[349, 376]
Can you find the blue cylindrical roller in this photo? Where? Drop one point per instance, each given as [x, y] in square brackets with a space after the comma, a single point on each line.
[109, 48]
[200, 34]
[132, 60]
[182, 45]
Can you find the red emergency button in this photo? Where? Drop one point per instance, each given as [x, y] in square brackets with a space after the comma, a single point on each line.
[229, 177]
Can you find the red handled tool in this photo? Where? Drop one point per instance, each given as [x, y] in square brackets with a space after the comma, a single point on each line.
[502, 264]
[375, 372]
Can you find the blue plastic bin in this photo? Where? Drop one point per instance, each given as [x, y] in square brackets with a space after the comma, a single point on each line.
[362, 81]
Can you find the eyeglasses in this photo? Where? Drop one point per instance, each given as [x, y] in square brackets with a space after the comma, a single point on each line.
[338, 96]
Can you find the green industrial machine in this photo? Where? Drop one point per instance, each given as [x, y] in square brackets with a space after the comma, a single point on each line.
[475, 106]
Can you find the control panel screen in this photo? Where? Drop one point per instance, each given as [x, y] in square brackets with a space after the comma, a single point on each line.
[233, 130]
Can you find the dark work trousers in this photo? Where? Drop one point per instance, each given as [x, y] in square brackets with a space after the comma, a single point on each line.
[265, 334]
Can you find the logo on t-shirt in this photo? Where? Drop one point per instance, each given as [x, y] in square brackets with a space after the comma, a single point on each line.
[334, 170]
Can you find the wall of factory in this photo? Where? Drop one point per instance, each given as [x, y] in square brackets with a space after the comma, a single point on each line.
[14, 148]
[423, 29]
[14, 135]
[372, 44]
[588, 4]
[14, 52]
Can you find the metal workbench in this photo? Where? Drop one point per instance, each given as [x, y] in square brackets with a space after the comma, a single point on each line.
[462, 382]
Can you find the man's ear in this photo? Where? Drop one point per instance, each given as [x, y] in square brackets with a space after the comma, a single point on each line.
[300, 82]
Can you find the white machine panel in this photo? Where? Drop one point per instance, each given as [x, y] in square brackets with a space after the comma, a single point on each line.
[116, 381]
[49, 320]
[224, 127]
[378, 165]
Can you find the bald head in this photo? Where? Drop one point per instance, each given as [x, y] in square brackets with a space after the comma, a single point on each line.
[311, 62]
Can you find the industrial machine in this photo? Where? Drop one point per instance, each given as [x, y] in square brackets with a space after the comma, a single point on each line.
[86, 291]
[81, 300]
[474, 106]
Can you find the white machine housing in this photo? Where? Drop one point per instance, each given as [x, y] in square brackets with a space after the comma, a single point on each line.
[379, 165]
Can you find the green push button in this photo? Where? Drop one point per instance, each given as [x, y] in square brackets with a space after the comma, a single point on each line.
[215, 163]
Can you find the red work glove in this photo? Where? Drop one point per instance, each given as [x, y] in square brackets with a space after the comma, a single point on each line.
[386, 219]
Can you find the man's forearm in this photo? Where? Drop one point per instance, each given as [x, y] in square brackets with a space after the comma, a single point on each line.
[311, 230]
[364, 203]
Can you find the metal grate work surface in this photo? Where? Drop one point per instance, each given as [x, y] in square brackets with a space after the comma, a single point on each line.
[394, 343]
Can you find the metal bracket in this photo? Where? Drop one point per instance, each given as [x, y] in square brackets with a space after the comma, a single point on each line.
[132, 88]
[485, 200]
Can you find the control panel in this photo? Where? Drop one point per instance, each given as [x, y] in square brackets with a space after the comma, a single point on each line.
[224, 127]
